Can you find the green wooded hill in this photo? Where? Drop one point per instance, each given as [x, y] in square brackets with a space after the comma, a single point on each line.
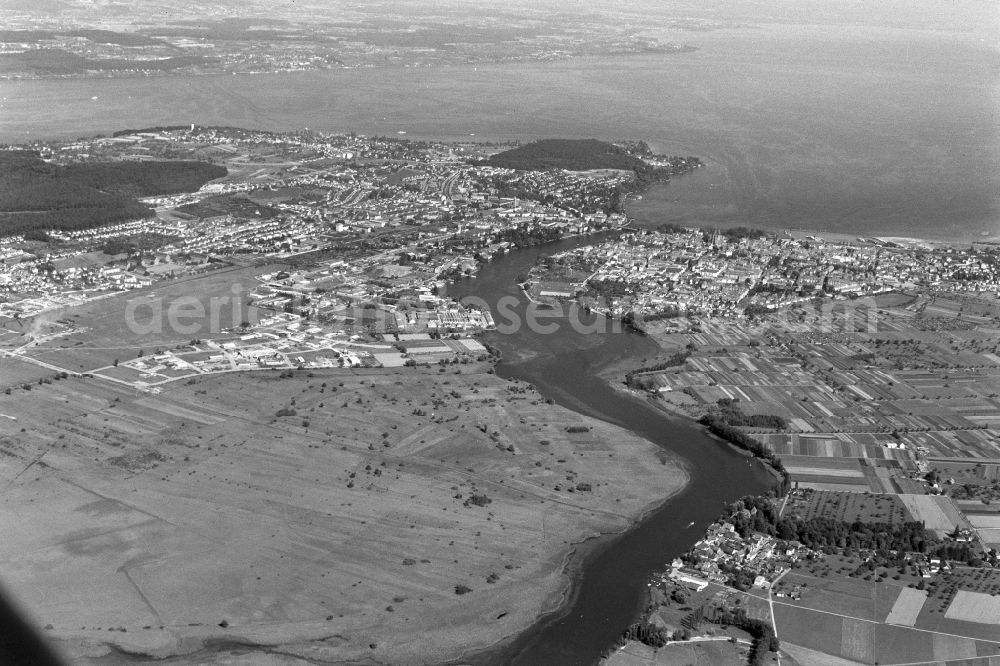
[60, 62]
[96, 36]
[571, 154]
[36, 195]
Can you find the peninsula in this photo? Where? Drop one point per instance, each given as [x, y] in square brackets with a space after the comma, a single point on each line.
[572, 155]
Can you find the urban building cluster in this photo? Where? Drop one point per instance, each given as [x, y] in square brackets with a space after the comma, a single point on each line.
[683, 272]
[385, 219]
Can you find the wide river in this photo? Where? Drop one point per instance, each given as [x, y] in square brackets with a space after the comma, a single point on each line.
[564, 365]
[851, 129]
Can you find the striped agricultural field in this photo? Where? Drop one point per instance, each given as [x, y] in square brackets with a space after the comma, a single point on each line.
[836, 445]
[988, 521]
[819, 484]
[907, 607]
[826, 473]
[974, 607]
[991, 537]
[802, 471]
[857, 640]
[954, 648]
[804, 655]
[822, 466]
[936, 511]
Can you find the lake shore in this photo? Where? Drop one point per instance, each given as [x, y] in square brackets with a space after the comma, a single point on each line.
[791, 159]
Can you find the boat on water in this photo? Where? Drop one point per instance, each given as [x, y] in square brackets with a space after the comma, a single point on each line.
[691, 524]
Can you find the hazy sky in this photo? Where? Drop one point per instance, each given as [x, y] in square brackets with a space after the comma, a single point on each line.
[979, 16]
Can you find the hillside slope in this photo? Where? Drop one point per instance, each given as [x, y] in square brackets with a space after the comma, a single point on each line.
[570, 154]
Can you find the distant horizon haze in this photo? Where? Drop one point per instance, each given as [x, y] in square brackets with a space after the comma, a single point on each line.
[863, 130]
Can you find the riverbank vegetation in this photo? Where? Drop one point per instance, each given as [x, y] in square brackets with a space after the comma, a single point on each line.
[726, 619]
[728, 410]
[759, 514]
[888, 541]
[633, 380]
[763, 634]
[718, 426]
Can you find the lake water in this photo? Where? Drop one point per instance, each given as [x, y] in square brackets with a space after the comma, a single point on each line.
[862, 130]
[835, 129]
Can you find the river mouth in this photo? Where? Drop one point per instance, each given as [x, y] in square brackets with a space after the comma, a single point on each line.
[562, 354]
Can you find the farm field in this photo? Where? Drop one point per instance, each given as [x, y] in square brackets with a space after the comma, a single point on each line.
[15, 372]
[975, 607]
[971, 470]
[841, 594]
[817, 631]
[975, 488]
[858, 475]
[803, 656]
[978, 586]
[988, 521]
[864, 641]
[835, 445]
[242, 508]
[907, 607]
[801, 466]
[869, 425]
[954, 616]
[105, 328]
[849, 571]
[961, 446]
[987, 524]
[858, 413]
[938, 512]
[848, 507]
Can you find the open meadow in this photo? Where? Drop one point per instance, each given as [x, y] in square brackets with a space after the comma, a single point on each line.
[122, 325]
[275, 511]
[867, 642]
[903, 620]
[847, 507]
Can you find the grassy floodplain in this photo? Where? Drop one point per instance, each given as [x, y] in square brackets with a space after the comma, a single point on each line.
[199, 514]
